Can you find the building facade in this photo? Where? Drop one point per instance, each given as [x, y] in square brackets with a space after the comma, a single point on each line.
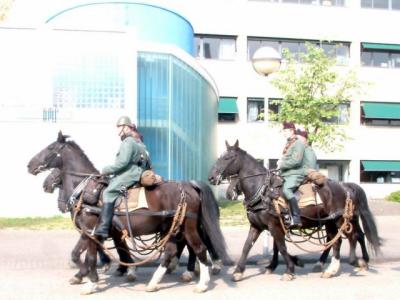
[364, 38]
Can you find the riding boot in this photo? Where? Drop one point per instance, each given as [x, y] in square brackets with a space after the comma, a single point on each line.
[295, 211]
[103, 225]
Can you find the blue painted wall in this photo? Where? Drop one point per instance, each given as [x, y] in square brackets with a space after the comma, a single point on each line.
[153, 24]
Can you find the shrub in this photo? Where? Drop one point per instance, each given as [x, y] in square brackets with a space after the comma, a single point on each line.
[395, 196]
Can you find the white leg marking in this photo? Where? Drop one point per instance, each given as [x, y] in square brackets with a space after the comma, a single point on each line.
[157, 276]
[204, 279]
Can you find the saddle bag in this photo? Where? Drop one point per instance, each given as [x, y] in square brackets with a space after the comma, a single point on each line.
[275, 186]
[92, 191]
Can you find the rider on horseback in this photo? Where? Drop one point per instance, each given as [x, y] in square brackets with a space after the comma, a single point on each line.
[292, 170]
[310, 158]
[132, 159]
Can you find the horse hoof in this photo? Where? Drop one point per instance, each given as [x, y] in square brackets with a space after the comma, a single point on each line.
[89, 288]
[187, 276]
[268, 271]
[317, 268]
[237, 277]
[131, 277]
[152, 288]
[106, 267]
[287, 277]
[200, 288]
[75, 280]
[326, 275]
[215, 270]
[362, 265]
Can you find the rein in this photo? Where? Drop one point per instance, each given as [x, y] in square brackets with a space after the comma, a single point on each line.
[81, 174]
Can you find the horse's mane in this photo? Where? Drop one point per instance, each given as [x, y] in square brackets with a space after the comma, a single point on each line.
[243, 152]
[82, 154]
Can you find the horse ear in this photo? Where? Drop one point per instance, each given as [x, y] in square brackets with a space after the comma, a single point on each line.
[61, 137]
[236, 144]
[227, 145]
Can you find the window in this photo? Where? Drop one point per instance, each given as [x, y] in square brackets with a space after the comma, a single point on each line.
[215, 47]
[310, 2]
[343, 115]
[334, 169]
[227, 109]
[380, 114]
[274, 107]
[381, 4]
[339, 51]
[380, 171]
[380, 55]
[255, 109]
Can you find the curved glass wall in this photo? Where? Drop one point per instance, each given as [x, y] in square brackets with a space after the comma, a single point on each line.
[177, 114]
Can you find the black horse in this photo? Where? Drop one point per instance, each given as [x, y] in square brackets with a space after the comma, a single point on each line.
[163, 202]
[359, 196]
[262, 214]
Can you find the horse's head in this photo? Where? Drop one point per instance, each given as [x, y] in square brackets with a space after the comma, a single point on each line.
[228, 164]
[49, 157]
[52, 181]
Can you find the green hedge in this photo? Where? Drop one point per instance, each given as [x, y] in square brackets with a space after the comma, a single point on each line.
[395, 196]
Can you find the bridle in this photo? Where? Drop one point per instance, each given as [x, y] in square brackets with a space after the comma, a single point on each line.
[51, 157]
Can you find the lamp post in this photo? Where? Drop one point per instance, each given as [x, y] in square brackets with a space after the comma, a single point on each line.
[266, 60]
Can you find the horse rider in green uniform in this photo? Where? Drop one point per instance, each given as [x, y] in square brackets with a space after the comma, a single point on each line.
[292, 170]
[132, 159]
[310, 158]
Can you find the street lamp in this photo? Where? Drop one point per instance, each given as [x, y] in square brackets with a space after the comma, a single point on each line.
[266, 60]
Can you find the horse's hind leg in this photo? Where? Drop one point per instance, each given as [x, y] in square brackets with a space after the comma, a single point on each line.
[80, 246]
[169, 252]
[358, 236]
[193, 239]
[125, 257]
[188, 275]
[252, 237]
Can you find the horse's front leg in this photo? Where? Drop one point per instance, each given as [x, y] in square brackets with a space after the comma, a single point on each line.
[252, 237]
[169, 253]
[79, 248]
[91, 260]
[334, 265]
[279, 239]
[125, 257]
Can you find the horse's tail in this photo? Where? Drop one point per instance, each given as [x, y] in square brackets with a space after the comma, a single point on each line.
[368, 220]
[209, 221]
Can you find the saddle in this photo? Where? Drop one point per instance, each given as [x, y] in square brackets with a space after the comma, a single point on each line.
[136, 198]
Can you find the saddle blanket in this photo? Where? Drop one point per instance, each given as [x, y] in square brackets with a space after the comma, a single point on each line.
[307, 197]
[136, 200]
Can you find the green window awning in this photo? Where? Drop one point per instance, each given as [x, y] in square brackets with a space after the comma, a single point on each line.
[381, 165]
[227, 106]
[376, 46]
[379, 110]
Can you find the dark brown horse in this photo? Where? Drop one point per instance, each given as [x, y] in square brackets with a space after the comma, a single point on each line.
[255, 182]
[358, 195]
[163, 201]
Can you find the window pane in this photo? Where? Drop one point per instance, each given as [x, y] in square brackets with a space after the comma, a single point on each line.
[252, 46]
[255, 110]
[366, 58]
[366, 3]
[227, 49]
[344, 113]
[211, 48]
[197, 45]
[395, 4]
[342, 55]
[395, 60]
[380, 59]
[293, 48]
[381, 3]
[329, 49]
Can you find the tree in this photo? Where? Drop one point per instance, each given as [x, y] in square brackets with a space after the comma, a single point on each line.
[5, 6]
[312, 94]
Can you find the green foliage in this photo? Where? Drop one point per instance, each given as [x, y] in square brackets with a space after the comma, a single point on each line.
[312, 92]
[5, 6]
[37, 223]
[395, 197]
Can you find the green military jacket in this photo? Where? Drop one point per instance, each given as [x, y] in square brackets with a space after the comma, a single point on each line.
[292, 160]
[132, 159]
[309, 160]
